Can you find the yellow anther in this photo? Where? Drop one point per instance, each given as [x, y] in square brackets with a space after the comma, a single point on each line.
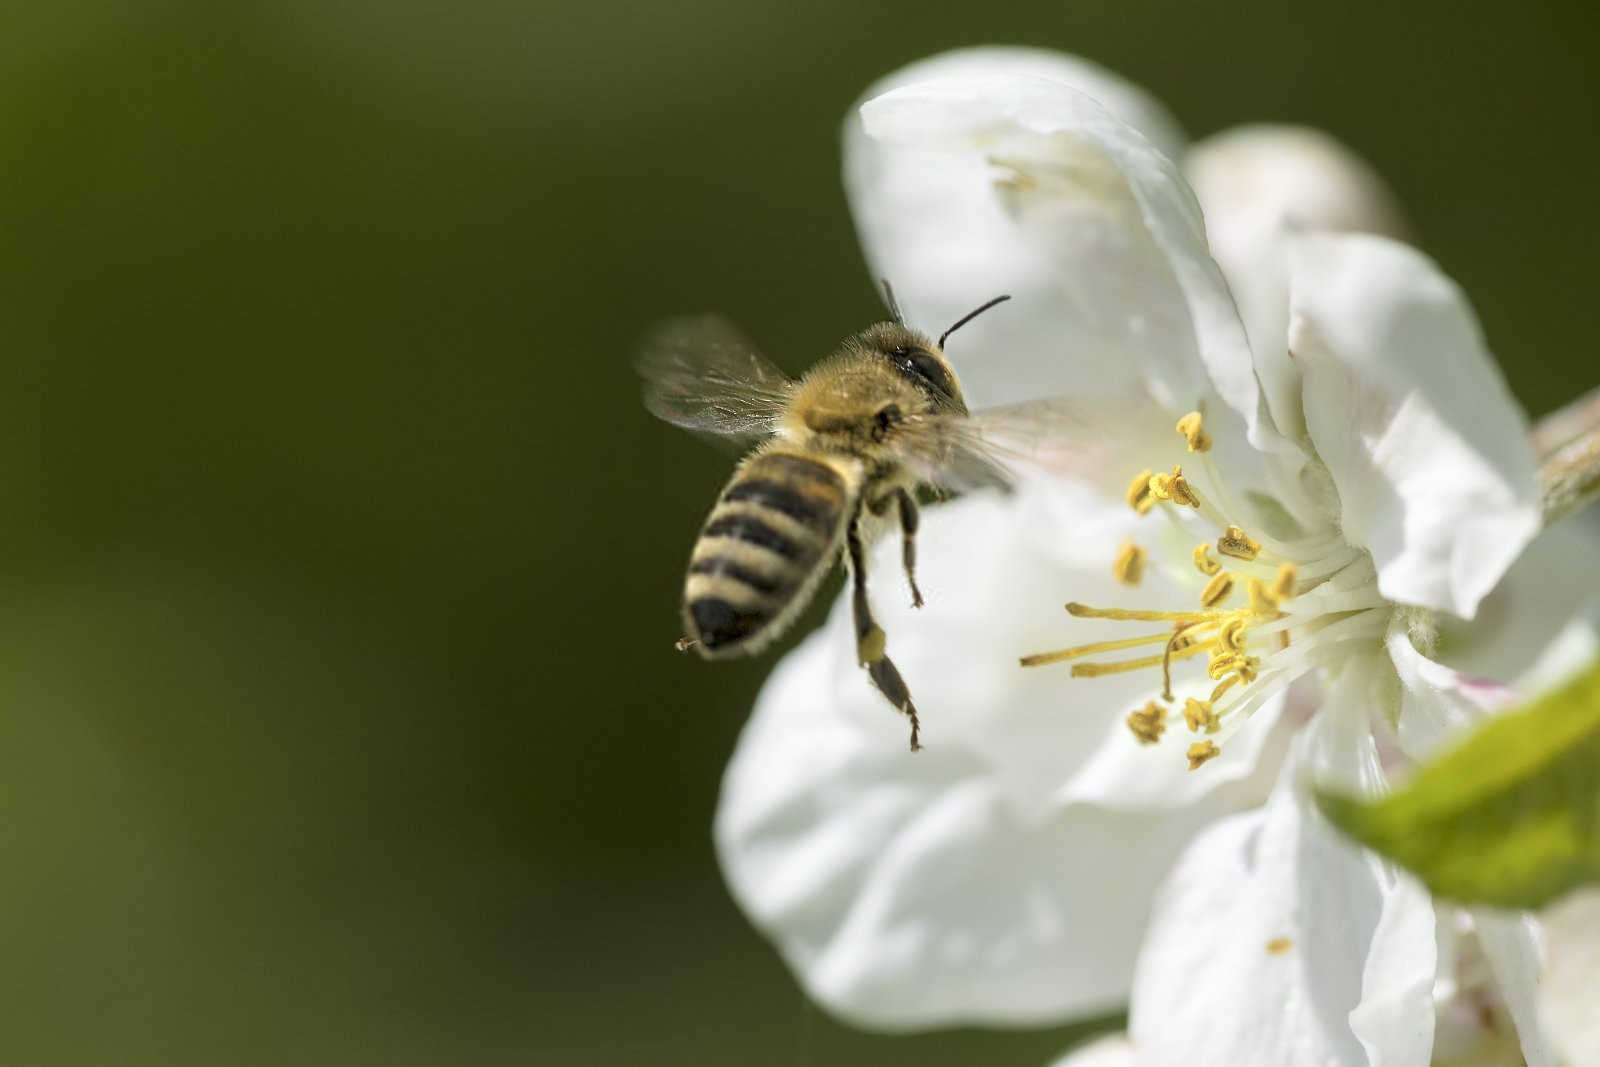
[1202, 559]
[1224, 663]
[1231, 636]
[1199, 716]
[1236, 543]
[1283, 584]
[1139, 498]
[1129, 565]
[1191, 428]
[1262, 602]
[1147, 723]
[1173, 487]
[1201, 751]
[1217, 590]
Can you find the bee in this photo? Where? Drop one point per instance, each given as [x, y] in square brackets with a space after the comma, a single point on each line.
[835, 453]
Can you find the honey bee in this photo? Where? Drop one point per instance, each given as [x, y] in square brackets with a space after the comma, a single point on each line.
[836, 452]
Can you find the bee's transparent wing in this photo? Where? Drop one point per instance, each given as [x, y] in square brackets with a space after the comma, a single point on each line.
[994, 447]
[705, 375]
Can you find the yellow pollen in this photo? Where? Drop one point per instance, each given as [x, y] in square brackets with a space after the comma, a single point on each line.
[1283, 584]
[1202, 559]
[1201, 751]
[1147, 723]
[1225, 663]
[1129, 566]
[1217, 590]
[1238, 544]
[1279, 945]
[1232, 634]
[1191, 428]
[1139, 498]
[1199, 716]
[1173, 487]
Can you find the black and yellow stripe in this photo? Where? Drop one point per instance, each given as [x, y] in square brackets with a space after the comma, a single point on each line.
[764, 544]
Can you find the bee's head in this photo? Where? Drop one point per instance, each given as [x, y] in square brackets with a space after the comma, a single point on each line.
[917, 362]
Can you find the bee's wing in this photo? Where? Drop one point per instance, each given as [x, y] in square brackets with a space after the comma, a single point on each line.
[703, 374]
[992, 448]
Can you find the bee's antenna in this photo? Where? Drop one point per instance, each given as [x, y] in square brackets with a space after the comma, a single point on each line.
[969, 316]
[894, 305]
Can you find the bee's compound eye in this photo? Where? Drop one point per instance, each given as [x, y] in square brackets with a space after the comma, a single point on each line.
[915, 363]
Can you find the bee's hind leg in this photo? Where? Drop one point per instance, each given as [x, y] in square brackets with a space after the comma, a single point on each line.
[906, 505]
[870, 639]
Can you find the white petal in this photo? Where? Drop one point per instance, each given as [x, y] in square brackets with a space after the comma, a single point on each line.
[1094, 224]
[1275, 941]
[1255, 184]
[955, 884]
[933, 223]
[1438, 704]
[1566, 995]
[1406, 407]
[1511, 943]
[1113, 1050]
[1552, 583]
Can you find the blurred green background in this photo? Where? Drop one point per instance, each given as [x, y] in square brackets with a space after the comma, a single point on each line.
[339, 716]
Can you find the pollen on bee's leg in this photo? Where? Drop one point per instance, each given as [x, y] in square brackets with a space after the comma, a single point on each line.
[1147, 723]
[1139, 498]
[870, 648]
[1216, 590]
[1200, 752]
[1203, 561]
[1129, 565]
[1199, 715]
[1238, 544]
[1192, 428]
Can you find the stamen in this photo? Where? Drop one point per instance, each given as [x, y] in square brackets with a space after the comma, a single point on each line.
[1262, 600]
[1039, 659]
[1202, 559]
[1200, 716]
[1174, 487]
[1191, 428]
[1095, 670]
[1129, 565]
[1217, 590]
[1084, 611]
[1201, 751]
[1232, 634]
[1235, 542]
[1139, 498]
[1283, 584]
[1147, 723]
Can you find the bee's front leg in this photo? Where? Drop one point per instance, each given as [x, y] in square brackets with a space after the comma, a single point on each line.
[870, 639]
[907, 506]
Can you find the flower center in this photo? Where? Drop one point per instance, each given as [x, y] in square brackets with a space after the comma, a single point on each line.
[1269, 609]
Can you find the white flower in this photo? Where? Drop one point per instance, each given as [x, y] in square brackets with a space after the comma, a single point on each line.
[1308, 520]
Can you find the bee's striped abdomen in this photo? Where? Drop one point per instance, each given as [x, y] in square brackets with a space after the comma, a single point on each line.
[758, 558]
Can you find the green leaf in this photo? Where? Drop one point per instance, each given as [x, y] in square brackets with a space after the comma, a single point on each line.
[1509, 818]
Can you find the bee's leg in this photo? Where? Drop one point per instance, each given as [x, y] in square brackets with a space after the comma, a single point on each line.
[907, 506]
[870, 639]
